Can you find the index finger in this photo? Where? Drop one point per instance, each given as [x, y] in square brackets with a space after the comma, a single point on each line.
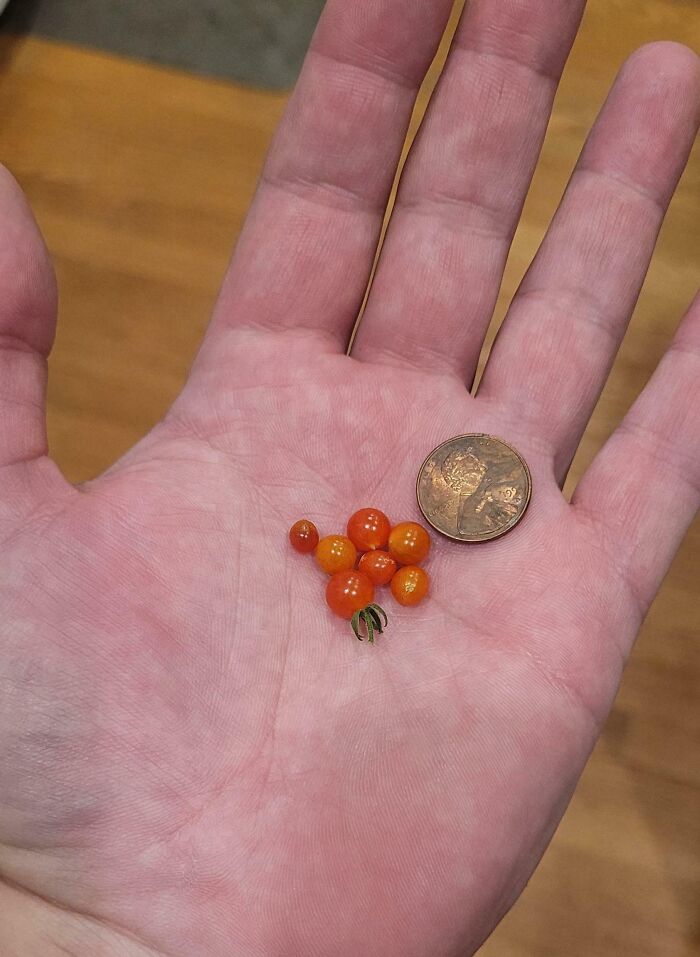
[307, 248]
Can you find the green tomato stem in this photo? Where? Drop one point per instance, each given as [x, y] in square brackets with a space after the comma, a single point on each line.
[373, 618]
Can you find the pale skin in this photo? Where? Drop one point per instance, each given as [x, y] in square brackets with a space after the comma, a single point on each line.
[196, 758]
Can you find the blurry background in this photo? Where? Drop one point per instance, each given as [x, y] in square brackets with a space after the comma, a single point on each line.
[254, 41]
[140, 177]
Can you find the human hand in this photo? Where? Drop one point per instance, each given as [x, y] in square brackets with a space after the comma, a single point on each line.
[196, 758]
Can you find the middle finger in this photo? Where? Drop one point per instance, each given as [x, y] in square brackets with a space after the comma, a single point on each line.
[464, 185]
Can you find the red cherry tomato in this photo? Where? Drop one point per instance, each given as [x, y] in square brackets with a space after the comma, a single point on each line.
[369, 529]
[336, 553]
[379, 567]
[410, 585]
[304, 536]
[409, 543]
[348, 592]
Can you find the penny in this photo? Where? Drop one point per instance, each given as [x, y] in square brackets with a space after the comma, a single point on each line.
[474, 488]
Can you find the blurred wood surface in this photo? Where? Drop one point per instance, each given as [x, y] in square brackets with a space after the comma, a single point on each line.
[140, 178]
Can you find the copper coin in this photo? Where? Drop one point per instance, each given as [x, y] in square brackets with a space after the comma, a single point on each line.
[474, 488]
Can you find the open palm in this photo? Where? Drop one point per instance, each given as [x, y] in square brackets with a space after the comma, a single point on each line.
[196, 758]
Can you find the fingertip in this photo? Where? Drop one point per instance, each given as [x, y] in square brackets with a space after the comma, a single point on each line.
[667, 64]
[666, 52]
[647, 127]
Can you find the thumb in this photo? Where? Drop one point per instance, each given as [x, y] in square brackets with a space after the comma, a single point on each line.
[28, 305]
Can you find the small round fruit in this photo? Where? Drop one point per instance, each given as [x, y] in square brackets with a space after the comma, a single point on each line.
[379, 567]
[369, 529]
[336, 553]
[348, 592]
[409, 543]
[410, 585]
[304, 536]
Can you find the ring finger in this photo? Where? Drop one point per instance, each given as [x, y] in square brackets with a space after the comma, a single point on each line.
[555, 348]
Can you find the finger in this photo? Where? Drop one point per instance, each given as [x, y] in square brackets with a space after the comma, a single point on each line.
[464, 185]
[643, 489]
[27, 323]
[305, 254]
[554, 351]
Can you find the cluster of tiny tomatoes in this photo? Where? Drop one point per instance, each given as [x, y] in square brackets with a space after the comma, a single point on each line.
[372, 554]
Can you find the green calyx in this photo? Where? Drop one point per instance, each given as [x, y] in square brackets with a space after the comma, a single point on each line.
[373, 619]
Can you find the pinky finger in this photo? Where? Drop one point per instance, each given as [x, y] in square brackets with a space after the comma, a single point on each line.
[643, 489]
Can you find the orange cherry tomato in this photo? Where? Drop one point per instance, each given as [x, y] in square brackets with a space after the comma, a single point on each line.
[410, 585]
[409, 543]
[379, 567]
[336, 553]
[369, 529]
[348, 592]
[304, 536]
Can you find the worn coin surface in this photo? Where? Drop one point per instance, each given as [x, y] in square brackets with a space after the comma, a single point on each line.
[474, 488]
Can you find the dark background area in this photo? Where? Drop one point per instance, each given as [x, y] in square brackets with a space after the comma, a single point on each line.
[259, 42]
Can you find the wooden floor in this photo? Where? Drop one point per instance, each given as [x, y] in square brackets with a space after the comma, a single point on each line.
[140, 178]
